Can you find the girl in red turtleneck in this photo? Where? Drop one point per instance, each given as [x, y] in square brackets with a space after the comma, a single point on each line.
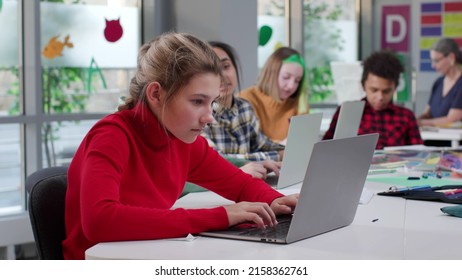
[132, 166]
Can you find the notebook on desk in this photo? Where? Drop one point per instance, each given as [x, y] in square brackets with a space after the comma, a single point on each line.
[329, 194]
[349, 119]
[303, 133]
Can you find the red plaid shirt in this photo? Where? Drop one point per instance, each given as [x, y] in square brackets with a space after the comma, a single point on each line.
[396, 126]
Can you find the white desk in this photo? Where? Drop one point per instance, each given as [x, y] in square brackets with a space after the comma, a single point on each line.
[405, 229]
[446, 134]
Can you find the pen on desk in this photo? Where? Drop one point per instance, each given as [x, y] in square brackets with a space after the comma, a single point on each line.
[380, 171]
[420, 188]
[414, 188]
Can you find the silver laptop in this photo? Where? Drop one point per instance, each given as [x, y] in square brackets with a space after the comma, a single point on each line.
[329, 194]
[349, 119]
[304, 131]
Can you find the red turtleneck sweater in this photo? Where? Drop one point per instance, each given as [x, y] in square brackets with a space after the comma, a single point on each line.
[127, 174]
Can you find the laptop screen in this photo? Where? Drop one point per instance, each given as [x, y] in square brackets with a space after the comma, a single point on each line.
[349, 119]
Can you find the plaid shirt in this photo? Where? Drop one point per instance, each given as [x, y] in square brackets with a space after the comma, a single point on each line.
[396, 126]
[236, 133]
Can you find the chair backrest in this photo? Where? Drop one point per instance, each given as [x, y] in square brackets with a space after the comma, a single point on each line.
[46, 190]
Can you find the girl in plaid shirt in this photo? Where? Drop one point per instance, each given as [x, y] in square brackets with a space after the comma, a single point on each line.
[235, 133]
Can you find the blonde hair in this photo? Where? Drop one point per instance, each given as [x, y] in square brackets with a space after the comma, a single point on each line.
[171, 59]
[268, 80]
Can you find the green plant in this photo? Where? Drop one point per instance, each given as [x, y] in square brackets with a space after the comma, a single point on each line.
[57, 82]
[320, 83]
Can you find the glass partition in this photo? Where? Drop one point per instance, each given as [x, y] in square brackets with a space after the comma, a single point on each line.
[271, 28]
[88, 54]
[9, 59]
[11, 199]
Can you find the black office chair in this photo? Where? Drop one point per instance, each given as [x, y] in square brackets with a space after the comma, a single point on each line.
[46, 190]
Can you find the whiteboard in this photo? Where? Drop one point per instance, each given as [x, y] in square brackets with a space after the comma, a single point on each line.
[347, 80]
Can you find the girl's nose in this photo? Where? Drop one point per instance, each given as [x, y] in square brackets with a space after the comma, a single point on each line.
[208, 116]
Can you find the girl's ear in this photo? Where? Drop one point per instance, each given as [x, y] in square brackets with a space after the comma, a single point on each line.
[153, 94]
[452, 58]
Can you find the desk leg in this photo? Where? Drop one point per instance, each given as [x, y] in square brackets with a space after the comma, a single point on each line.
[454, 143]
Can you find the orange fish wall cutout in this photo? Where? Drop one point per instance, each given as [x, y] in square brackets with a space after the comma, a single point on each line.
[54, 48]
[113, 31]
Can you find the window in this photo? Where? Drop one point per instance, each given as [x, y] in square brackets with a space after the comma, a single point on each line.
[330, 34]
[66, 74]
[82, 69]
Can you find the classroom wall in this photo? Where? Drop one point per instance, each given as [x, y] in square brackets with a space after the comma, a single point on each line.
[233, 22]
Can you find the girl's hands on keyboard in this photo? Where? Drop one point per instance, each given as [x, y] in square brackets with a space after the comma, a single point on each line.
[285, 204]
[256, 212]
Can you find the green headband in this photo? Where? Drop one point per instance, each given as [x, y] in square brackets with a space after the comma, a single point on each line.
[295, 58]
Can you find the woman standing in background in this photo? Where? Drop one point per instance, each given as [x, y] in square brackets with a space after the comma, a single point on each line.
[445, 103]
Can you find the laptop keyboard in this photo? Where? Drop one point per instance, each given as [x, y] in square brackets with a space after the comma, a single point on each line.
[277, 232]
